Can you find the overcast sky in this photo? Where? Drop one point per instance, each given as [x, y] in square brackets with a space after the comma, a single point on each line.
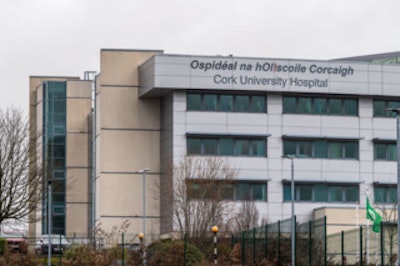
[64, 37]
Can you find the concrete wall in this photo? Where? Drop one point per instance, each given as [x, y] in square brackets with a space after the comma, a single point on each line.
[128, 140]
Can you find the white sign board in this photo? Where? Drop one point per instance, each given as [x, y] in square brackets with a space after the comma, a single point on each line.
[260, 74]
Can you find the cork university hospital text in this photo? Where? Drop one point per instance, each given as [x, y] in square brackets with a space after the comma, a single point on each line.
[263, 67]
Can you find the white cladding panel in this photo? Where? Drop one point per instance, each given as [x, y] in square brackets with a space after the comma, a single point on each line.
[182, 73]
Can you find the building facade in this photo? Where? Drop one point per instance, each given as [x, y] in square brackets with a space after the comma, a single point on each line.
[145, 110]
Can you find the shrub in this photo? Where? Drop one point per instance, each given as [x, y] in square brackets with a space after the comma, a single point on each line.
[19, 260]
[171, 252]
[86, 255]
[3, 245]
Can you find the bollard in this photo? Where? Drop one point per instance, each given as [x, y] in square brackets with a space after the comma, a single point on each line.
[214, 229]
[141, 237]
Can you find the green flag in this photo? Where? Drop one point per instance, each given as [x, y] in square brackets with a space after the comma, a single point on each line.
[374, 217]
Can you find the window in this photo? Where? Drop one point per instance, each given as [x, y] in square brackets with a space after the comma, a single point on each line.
[194, 101]
[324, 148]
[385, 193]
[227, 189]
[385, 151]
[54, 141]
[381, 106]
[227, 146]
[226, 102]
[321, 192]
[320, 105]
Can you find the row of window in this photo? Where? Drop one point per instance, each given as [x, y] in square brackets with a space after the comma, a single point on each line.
[317, 105]
[320, 106]
[226, 146]
[322, 193]
[226, 102]
[332, 149]
[257, 147]
[309, 192]
[229, 190]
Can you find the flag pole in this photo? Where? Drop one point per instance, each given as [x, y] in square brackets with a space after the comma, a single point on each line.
[367, 236]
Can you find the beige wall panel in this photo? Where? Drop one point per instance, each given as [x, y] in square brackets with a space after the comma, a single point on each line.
[77, 150]
[121, 195]
[77, 115]
[129, 151]
[121, 108]
[77, 185]
[80, 89]
[120, 67]
[76, 220]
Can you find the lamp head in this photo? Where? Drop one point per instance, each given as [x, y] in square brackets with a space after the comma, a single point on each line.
[141, 235]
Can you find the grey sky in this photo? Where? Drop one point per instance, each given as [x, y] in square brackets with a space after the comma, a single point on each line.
[64, 37]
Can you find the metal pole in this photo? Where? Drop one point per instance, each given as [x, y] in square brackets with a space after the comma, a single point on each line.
[144, 202]
[215, 248]
[144, 172]
[49, 212]
[293, 221]
[398, 182]
[397, 112]
[214, 229]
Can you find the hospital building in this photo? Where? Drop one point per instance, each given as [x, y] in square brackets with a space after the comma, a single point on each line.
[106, 138]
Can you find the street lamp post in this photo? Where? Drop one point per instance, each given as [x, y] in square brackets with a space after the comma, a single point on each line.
[144, 172]
[293, 222]
[293, 217]
[49, 221]
[397, 112]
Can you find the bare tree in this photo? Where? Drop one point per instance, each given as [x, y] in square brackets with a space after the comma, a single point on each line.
[246, 218]
[200, 187]
[20, 188]
[389, 220]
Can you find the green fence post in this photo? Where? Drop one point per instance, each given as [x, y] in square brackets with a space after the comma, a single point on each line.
[342, 246]
[254, 245]
[310, 243]
[325, 243]
[382, 246]
[61, 251]
[361, 246]
[266, 241]
[295, 242]
[279, 242]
